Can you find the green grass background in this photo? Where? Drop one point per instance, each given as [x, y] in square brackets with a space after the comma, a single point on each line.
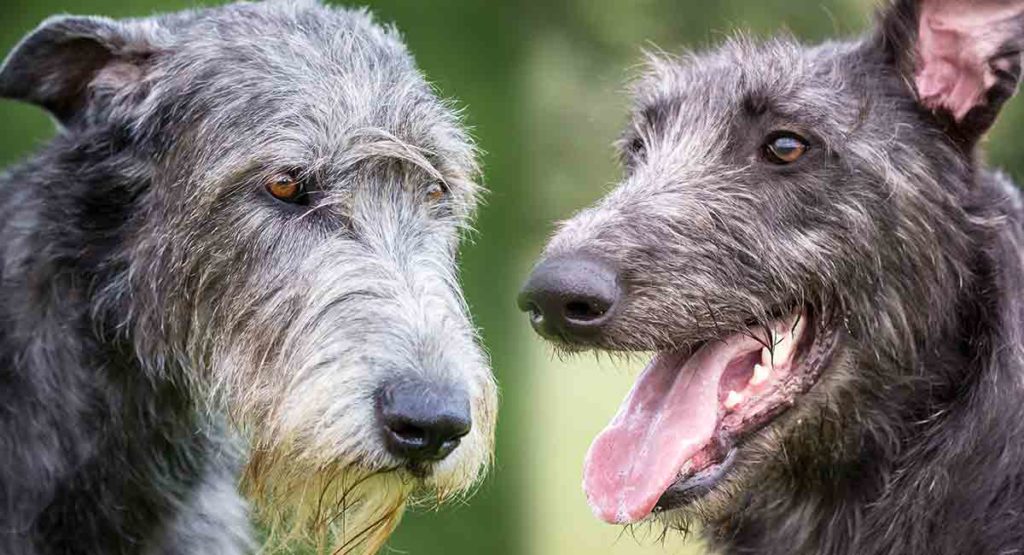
[543, 83]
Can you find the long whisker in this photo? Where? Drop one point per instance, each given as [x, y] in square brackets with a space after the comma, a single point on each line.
[321, 206]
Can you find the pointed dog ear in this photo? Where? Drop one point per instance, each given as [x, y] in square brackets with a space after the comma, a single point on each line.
[963, 57]
[68, 65]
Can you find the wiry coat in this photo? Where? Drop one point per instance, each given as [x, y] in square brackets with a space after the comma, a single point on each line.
[891, 226]
[163, 319]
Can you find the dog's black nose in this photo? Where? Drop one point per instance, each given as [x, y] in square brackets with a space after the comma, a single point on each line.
[422, 421]
[571, 297]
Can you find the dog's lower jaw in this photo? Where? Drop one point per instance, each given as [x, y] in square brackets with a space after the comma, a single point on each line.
[764, 457]
[778, 496]
[677, 433]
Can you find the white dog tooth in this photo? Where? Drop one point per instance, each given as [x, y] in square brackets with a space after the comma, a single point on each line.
[782, 348]
[785, 345]
[761, 374]
[733, 399]
[798, 326]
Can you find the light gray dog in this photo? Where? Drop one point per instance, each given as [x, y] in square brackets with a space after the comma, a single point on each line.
[833, 283]
[247, 227]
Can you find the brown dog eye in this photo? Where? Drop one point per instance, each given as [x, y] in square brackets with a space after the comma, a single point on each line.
[785, 148]
[436, 191]
[286, 188]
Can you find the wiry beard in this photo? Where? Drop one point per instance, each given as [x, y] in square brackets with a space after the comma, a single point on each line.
[338, 508]
[304, 497]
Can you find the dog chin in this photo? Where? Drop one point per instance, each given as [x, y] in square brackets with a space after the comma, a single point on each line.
[351, 506]
[338, 507]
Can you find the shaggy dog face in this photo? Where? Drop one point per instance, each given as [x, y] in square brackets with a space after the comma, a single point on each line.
[797, 237]
[288, 200]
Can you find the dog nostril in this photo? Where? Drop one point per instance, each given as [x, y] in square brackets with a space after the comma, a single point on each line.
[408, 433]
[584, 311]
[429, 440]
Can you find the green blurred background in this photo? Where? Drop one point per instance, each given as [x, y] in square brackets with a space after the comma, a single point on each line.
[544, 86]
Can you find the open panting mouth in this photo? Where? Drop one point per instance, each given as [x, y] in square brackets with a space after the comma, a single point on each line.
[676, 434]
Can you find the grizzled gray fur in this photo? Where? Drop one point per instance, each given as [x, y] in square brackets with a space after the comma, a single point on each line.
[233, 264]
[890, 228]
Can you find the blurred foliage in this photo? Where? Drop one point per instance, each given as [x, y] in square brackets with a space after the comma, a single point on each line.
[544, 86]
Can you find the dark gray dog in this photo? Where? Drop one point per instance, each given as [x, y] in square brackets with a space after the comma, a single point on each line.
[248, 223]
[833, 283]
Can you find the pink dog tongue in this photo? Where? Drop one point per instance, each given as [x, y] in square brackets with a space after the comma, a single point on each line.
[668, 417]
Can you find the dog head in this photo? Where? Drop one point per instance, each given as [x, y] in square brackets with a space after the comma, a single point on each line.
[291, 196]
[790, 219]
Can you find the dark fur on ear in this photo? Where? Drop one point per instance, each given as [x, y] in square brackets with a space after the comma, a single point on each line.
[960, 58]
[69, 65]
[897, 33]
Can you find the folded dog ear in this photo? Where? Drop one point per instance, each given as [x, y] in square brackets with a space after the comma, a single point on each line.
[69, 64]
[962, 56]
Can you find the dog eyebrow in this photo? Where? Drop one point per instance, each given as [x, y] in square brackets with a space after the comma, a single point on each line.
[384, 144]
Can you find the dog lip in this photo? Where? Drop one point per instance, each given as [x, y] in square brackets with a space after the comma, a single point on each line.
[688, 489]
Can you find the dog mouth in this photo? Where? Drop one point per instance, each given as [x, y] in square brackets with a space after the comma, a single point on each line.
[676, 435]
